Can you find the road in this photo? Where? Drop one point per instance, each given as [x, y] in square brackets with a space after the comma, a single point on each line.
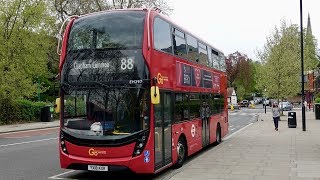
[34, 154]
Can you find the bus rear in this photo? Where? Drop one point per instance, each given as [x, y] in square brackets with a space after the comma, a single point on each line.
[105, 94]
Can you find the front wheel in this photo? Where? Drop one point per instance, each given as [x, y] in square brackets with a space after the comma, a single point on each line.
[181, 152]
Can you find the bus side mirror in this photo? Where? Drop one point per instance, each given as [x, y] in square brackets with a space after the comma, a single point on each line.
[57, 105]
[155, 95]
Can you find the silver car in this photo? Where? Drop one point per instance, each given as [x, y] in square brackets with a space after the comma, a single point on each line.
[285, 106]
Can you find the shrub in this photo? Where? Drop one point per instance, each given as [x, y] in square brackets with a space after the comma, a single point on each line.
[9, 111]
[317, 100]
[29, 110]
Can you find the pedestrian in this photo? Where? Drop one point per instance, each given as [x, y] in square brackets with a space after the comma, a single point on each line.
[275, 115]
[305, 105]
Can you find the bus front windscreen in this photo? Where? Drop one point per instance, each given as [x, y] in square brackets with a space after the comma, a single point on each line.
[106, 112]
[105, 80]
[108, 30]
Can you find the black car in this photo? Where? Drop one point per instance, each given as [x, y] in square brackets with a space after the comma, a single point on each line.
[244, 103]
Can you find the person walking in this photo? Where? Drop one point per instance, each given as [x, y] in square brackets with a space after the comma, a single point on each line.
[275, 115]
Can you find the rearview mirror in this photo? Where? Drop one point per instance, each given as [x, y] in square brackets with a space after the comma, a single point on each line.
[57, 105]
[155, 95]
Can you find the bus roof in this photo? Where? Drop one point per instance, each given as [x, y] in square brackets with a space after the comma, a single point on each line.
[185, 31]
[157, 13]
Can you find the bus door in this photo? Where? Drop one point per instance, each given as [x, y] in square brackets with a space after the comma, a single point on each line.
[205, 112]
[163, 118]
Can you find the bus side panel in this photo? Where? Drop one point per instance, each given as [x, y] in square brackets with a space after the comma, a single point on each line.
[225, 122]
[192, 131]
[225, 125]
[213, 127]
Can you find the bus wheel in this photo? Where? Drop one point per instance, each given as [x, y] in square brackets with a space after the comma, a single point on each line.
[182, 152]
[218, 135]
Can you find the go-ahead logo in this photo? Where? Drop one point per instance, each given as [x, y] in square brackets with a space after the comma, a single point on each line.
[93, 152]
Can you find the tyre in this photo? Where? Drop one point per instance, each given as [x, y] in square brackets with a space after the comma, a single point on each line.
[181, 152]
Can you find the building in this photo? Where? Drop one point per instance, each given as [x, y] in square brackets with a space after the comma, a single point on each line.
[232, 96]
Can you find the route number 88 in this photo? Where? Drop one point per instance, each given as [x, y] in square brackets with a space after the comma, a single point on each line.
[126, 64]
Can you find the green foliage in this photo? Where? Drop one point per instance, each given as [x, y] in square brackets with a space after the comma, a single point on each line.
[29, 111]
[75, 108]
[310, 57]
[24, 47]
[317, 100]
[279, 73]
[9, 111]
[20, 111]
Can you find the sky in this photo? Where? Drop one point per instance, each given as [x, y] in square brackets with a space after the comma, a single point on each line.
[241, 25]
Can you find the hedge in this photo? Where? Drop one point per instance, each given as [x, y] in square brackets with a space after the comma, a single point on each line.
[20, 110]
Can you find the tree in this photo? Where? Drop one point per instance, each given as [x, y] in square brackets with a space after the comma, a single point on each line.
[245, 77]
[240, 73]
[23, 51]
[232, 66]
[280, 59]
[310, 55]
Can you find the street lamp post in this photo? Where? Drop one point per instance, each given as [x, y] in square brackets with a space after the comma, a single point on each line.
[302, 73]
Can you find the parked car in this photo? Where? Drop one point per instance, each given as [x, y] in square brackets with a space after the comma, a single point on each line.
[235, 106]
[285, 106]
[244, 103]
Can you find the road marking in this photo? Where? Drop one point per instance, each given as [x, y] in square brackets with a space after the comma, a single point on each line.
[29, 130]
[56, 176]
[231, 135]
[27, 142]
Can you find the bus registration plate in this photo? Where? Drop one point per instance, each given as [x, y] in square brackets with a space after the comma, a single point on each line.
[97, 168]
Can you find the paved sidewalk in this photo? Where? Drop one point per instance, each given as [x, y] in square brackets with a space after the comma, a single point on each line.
[258, 152]
[28, 126]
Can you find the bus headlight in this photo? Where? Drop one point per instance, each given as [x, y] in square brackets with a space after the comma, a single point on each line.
[140, 144]
[63, 144]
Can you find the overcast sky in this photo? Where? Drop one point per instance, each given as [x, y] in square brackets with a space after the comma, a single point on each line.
[241, 25]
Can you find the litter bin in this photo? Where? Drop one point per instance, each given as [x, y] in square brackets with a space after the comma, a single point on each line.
[317, 110]
[45, 114]
[292, 120]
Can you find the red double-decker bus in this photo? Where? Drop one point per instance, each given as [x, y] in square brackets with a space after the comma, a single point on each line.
[138, 92]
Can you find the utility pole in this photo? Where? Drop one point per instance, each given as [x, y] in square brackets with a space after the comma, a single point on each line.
[302, 72]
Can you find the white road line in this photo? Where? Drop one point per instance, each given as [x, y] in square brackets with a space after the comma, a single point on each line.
[56, 176]
[29, 130]
[231, 135]
[27, 142]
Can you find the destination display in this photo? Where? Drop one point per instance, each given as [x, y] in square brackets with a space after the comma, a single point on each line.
[192, 76]
[107, 66]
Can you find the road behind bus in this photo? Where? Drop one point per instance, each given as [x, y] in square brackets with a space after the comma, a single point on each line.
[34, 154]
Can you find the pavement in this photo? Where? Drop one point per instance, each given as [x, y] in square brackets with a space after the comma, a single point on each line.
[28, 126]
[256, 152]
